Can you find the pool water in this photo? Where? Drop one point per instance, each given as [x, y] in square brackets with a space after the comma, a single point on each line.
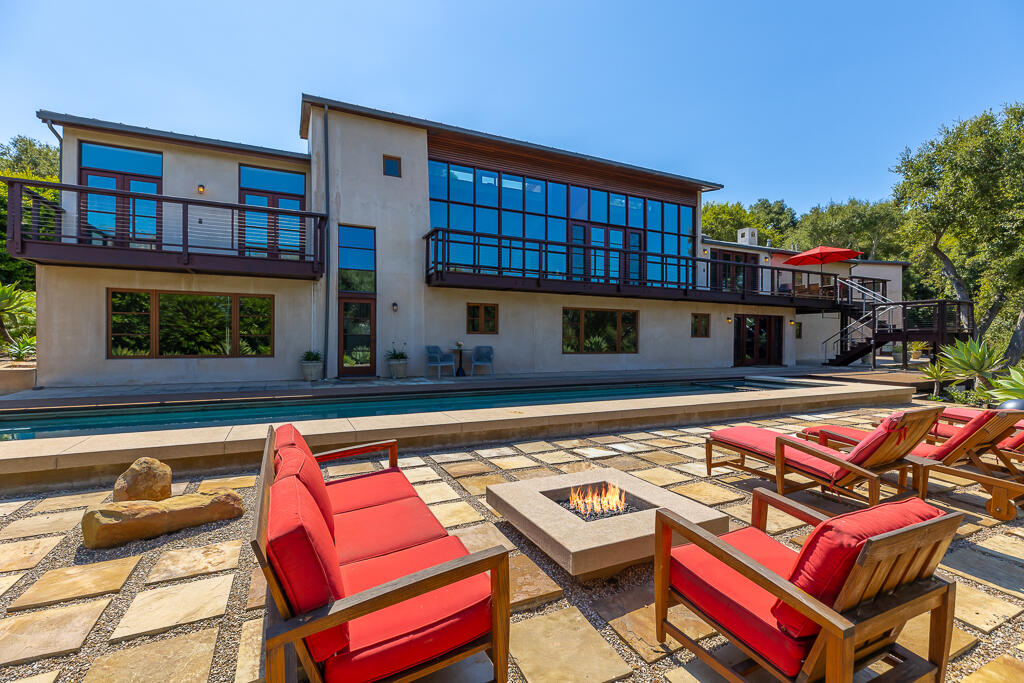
[112, 419]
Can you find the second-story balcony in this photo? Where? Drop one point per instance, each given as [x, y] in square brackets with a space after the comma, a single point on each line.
[466, 259]
[61, 224]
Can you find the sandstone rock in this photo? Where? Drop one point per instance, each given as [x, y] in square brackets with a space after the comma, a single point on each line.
[111, 524]
[146, 479]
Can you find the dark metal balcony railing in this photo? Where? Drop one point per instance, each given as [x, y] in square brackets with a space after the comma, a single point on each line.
[74, 224]
[461, 258]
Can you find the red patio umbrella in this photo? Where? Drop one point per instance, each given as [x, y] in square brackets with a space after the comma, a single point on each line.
[821, 255]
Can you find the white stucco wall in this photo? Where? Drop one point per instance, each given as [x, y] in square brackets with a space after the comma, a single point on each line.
[71, 325]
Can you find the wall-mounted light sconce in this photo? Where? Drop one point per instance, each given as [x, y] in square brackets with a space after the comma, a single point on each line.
[201, 189]
[728, 319]
[705, 251]
[792, 322]
[394, 306]
[765, 258]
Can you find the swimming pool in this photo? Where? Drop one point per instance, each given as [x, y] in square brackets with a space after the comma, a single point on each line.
[113, 419]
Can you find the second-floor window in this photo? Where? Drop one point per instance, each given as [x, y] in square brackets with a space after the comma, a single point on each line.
[357, 259]
[111, 220]
[271, 235]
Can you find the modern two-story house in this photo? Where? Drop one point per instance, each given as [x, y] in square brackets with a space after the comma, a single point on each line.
[165, 258]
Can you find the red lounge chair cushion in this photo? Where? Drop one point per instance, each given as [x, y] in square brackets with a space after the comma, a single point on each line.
[759, 440]
[301, 552]
[292, 461]
[741, 606]
[1013, 442]
[288, 435]
[364, 490]
[940, 451]
[828, 554]
[401, 636]
[382, 529]
[874, 439]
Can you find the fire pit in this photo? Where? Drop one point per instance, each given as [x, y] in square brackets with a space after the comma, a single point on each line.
[596, 522]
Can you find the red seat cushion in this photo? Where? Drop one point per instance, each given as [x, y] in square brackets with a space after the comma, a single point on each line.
[301, 552]
[292, 461]
[382, 529]
[759, 440]
[369, 489]
[401, 636]
[1011, 443]
[737, 603]
[287, 435]
[828, 554]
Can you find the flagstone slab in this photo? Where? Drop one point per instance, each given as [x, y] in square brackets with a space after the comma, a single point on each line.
[563, 647]
[660, 476]
[595, 452]
[466, 469]
[182, 659]
[7, 581]
[666, 432]
[707, 493]
[242, 482]
[571, 443]
[638, 436]
[9, 507]
[250, 651]
[971, 563]
[663, 458]
[404, 462]
[694, 452]
[26, 554]
[631, 447]
[571, 467]
[257, 596]
[478, 485]
[72, 583]
[350, 469]
[37, 525]
[983, 611]
[696, 469]
[626, 463]
[487, 506]
[482, 537]
[1000, 670]
[418, 475]
[606, 439]
[665, 443]
[516, 462]
[454, 514]
[451, 457]
[178, 487]
[71, 501]
[436, 492]
[501, 452]
[48, 677]
[159, 609]
[47, 633]
[778, 521]
[529, 586]
[914, 637]
[631, 616]
[555, 457]
[698, 431]
[177, 564]
[1005, 546]
[534, 446]
[535, 473]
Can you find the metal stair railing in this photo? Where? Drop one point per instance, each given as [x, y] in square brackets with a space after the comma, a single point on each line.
[858, 331]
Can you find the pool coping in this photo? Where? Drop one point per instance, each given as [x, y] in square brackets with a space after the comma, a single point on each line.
[55, 460]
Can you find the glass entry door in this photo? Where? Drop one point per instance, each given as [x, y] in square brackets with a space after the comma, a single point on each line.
[356, 337]
[758, 340]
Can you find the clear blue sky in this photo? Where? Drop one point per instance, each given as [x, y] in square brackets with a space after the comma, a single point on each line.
[804, 101]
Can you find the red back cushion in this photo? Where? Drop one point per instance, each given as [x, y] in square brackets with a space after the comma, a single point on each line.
[1013, 442]
[291, 461]
[301, 552]
[873, 441]
[828, 555]
[288, 435]
[965, 432]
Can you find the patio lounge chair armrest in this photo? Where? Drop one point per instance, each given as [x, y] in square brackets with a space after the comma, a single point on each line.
[839, 438]
[385, 595]
[391, 446]
[823, 615]
[763, 499]
[807, 447]
[918, 461]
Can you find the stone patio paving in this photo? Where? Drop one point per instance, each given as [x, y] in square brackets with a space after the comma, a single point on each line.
[188, 606]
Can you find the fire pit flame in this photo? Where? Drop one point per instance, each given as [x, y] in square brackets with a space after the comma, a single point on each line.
[597, 500]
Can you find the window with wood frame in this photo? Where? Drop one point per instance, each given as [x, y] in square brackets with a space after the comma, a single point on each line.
[109, 219]
[393, 166]
[799, 330]
[271, 235]
[161, 324]
[587, 330]
[481, 318]
[700, 325]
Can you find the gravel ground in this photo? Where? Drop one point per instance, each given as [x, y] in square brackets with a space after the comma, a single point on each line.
[582, 595]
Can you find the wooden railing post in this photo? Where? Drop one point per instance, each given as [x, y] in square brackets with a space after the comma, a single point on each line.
[14, 238]
[184, 234]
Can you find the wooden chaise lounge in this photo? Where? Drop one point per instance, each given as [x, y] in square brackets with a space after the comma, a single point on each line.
[365, 583]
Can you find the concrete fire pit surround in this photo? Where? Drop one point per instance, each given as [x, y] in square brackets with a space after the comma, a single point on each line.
[603, 546]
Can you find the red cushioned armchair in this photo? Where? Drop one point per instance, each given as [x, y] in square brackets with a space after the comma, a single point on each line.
[833, 608]
[365, 583]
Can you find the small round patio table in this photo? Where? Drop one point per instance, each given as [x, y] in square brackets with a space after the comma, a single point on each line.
[461, 372]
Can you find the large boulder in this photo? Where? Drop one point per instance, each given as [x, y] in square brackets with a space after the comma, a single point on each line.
[110, 524]
[146, 479]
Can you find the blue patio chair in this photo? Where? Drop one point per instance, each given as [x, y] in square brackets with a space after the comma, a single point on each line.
[482, 355]
[439, 359]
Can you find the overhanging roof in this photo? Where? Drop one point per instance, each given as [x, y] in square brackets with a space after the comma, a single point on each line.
[778, 250]
[124, 129]
[309, 101]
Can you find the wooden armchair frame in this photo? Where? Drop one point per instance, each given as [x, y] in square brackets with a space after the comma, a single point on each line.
[284, 632]
[890, 583]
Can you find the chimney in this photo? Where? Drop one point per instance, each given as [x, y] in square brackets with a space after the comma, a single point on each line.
[747, 236]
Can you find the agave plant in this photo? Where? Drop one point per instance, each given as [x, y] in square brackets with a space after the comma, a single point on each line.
[938, 373]
[14, 304]
[972, 360]
[1010, 386]
[22, 348]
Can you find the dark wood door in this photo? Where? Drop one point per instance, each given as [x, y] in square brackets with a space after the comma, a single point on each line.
[357, 337]
[738, 273]
[758, 340]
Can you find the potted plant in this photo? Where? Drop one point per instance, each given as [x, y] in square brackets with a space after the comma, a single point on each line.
[398, 361]
[897, 352]
[917, 349]
[312, 365]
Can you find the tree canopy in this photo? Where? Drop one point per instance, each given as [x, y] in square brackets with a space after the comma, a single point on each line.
[22, 157]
